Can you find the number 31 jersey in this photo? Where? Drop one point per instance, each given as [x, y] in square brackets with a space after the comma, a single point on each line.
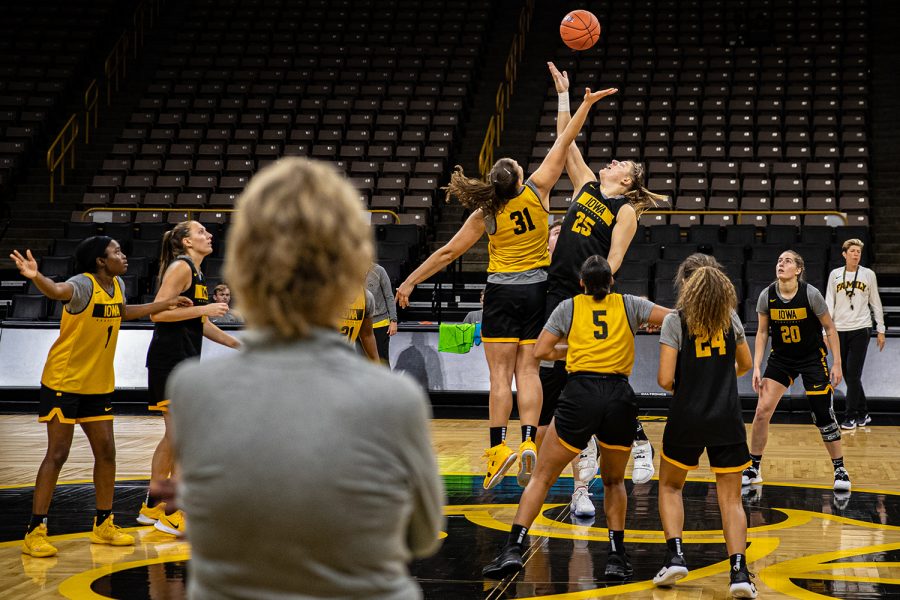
[519, 240]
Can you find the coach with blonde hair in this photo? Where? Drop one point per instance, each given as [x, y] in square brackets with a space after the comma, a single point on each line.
[852, 297]
[306, 471]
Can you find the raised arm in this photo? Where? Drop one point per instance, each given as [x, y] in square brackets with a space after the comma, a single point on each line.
[28, 267]
[551, 168]
[465, 238]
[577, 170]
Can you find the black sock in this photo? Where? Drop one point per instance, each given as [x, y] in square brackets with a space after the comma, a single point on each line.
[837, 462]
[639, 435]
[498, 435]
[738, 562]
[617, 541]
[756, 459]
[102, 515]
[35, 521]
[674, 546]
[528, 432]
[517, 536]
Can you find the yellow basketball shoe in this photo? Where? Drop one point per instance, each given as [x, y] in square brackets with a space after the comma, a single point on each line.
[149, 516]
[527, 460]
[499, 459]
[36, 543]
[172, 524]
[108, 532]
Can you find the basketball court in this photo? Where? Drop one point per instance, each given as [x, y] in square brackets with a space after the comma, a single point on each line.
[804, 541]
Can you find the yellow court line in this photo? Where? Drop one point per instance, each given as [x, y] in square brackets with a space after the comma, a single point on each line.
[70, 536]
[78, 587]
[758, 550]
[778, 576]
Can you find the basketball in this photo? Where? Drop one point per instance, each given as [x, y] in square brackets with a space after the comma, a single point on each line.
[579, 30]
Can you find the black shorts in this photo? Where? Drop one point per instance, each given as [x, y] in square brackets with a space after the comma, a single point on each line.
[73, 408]
[814, 371]
[596, 404]
[553, 380]
[513, 313]
[732, 458]
[156, 388]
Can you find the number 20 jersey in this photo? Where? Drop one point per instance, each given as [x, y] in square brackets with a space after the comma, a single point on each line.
[519, 241]
[795, 329]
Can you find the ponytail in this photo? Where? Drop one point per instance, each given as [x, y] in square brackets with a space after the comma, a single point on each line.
[640, 198]
[490, 196]
[596, 275]
[172, 247]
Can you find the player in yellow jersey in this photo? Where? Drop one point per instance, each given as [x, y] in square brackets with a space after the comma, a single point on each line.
[356, 324]
[78, 379]
[513, 211]
[597, 400]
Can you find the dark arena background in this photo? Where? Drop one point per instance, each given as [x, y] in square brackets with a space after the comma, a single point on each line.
[771, 125]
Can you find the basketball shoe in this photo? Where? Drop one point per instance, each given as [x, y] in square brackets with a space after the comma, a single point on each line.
[499, 459]
[108, 532]
[581, 503]
[36, 543]
[642, 454]
[527, 459]
[149, 516]
[675, 568]
[172, 524]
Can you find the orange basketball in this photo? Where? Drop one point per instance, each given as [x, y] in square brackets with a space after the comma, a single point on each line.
[579, 30]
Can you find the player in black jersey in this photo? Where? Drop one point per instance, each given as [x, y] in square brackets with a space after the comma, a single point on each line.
[601, 220]
[794, 313]
[177, 335]
[701, 347]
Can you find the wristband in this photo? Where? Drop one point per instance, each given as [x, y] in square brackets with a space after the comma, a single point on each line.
[564, 102]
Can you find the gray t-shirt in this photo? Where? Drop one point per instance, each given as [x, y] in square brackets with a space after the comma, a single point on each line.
[670, 332]
[636, 309]
[287, 417]
[474, 316]
[83, 289]
[379, 284]
[816, 301]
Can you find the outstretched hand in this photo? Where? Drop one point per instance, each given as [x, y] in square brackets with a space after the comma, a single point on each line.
[560, 80]
[592, 97]
[27, 265]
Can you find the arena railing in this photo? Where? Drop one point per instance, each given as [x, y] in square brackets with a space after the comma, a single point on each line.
[189, 212]
[114, 70]
[62, 147]
[504, 92]
[735, 213]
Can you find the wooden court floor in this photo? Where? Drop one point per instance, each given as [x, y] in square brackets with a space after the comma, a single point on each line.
[804, 541]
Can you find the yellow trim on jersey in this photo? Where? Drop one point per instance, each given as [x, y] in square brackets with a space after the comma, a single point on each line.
[519, 241]
[731, 469]
[600, 338]
[787, 314]
[614, 447]
[161, 406]
[828, 389]
[681, 466]
[92, 419]
[351, 322]
[500, 340]
[58, 413]
[568, 446]
[81, 359]
[382, 323]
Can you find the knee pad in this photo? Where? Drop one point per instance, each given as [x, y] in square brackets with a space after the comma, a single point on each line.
[830, 432]
[823, 417]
